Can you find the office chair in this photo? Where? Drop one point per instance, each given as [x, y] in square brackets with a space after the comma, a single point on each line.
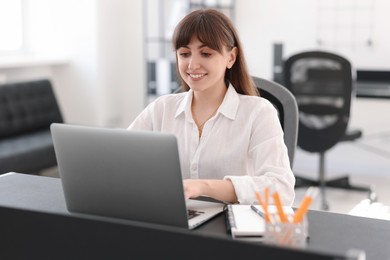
[322, 85]
[287, 108]
[286, 105]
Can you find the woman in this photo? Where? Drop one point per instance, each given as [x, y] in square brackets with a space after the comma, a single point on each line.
[230, 139]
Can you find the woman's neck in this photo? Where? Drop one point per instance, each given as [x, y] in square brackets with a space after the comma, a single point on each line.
[205, 105]
[210, 97]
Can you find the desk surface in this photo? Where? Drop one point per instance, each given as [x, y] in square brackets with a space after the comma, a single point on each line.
[329, 232]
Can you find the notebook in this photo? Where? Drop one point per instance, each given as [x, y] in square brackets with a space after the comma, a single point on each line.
[245, 224]
[132, 175]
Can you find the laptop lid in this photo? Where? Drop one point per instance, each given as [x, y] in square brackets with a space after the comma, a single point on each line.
[125, 174]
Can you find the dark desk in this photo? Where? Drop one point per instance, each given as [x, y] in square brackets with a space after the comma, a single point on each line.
[33, 212]
[373, 89]
[373, 83]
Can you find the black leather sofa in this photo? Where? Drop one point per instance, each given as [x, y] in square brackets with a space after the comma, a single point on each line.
[26, 111]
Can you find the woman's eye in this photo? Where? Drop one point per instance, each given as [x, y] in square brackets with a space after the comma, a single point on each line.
[206, 54]
[184, 54]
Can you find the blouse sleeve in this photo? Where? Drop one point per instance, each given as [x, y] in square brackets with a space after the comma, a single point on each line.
[144, 121]
[269, 156]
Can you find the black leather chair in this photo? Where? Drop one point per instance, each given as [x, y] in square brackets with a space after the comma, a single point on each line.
[26, 111]
[323, 87]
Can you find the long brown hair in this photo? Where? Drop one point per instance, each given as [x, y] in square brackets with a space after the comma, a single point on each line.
[216, 31]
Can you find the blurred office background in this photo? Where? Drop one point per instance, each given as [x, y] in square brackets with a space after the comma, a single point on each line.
[108, 58]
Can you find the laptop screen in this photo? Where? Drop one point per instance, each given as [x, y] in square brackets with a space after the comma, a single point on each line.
[133, 175]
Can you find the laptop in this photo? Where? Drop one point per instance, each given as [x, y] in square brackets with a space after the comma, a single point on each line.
[133, 175]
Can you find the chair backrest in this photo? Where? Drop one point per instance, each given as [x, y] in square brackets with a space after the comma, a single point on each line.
[284, 101]
[322, 85]
[27, 107]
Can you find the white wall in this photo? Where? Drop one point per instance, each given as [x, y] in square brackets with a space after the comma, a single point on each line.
[262, 23]
[121, 61]
[295, 24]
[77, 83]
[102, 82]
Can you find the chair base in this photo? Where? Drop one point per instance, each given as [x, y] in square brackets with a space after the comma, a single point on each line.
[340, 183]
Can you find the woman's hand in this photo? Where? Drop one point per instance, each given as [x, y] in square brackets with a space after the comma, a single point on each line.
[193, 188]
[222, 190]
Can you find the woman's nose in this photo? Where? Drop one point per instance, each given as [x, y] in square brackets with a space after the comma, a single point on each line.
[193, 63]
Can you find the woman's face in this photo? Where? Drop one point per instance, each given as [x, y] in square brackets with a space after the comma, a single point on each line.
[202, 67]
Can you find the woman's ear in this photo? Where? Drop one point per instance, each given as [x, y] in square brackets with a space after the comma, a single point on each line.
[232, 57]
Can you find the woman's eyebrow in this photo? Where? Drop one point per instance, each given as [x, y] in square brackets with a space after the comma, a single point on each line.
[199, 47]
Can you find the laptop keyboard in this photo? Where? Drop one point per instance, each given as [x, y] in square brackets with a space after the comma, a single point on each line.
[193, 213]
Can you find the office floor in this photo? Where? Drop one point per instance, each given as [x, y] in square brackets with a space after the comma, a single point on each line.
[366, 161]
[366, 168]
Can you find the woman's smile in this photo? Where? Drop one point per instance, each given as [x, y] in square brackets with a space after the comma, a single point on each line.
[197, 76]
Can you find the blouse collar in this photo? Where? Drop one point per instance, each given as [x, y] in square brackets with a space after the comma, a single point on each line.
[228, 107]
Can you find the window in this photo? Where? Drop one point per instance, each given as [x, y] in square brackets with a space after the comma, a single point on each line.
[11, 28]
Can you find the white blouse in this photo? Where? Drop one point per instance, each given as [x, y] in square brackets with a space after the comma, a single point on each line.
[242, 142]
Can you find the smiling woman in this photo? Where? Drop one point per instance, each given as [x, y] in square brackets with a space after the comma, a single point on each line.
[11, 29]
[230, 139]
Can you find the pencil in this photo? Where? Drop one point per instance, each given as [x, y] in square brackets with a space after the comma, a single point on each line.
[261, 202]
[279, 207]
[311, 193]
[266, 195]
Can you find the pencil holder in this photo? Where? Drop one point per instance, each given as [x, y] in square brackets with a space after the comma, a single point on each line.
[286, 234]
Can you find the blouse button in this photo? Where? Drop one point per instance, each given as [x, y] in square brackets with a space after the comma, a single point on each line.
[194, 167]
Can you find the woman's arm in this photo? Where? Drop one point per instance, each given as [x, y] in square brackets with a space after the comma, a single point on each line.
[222, 190]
